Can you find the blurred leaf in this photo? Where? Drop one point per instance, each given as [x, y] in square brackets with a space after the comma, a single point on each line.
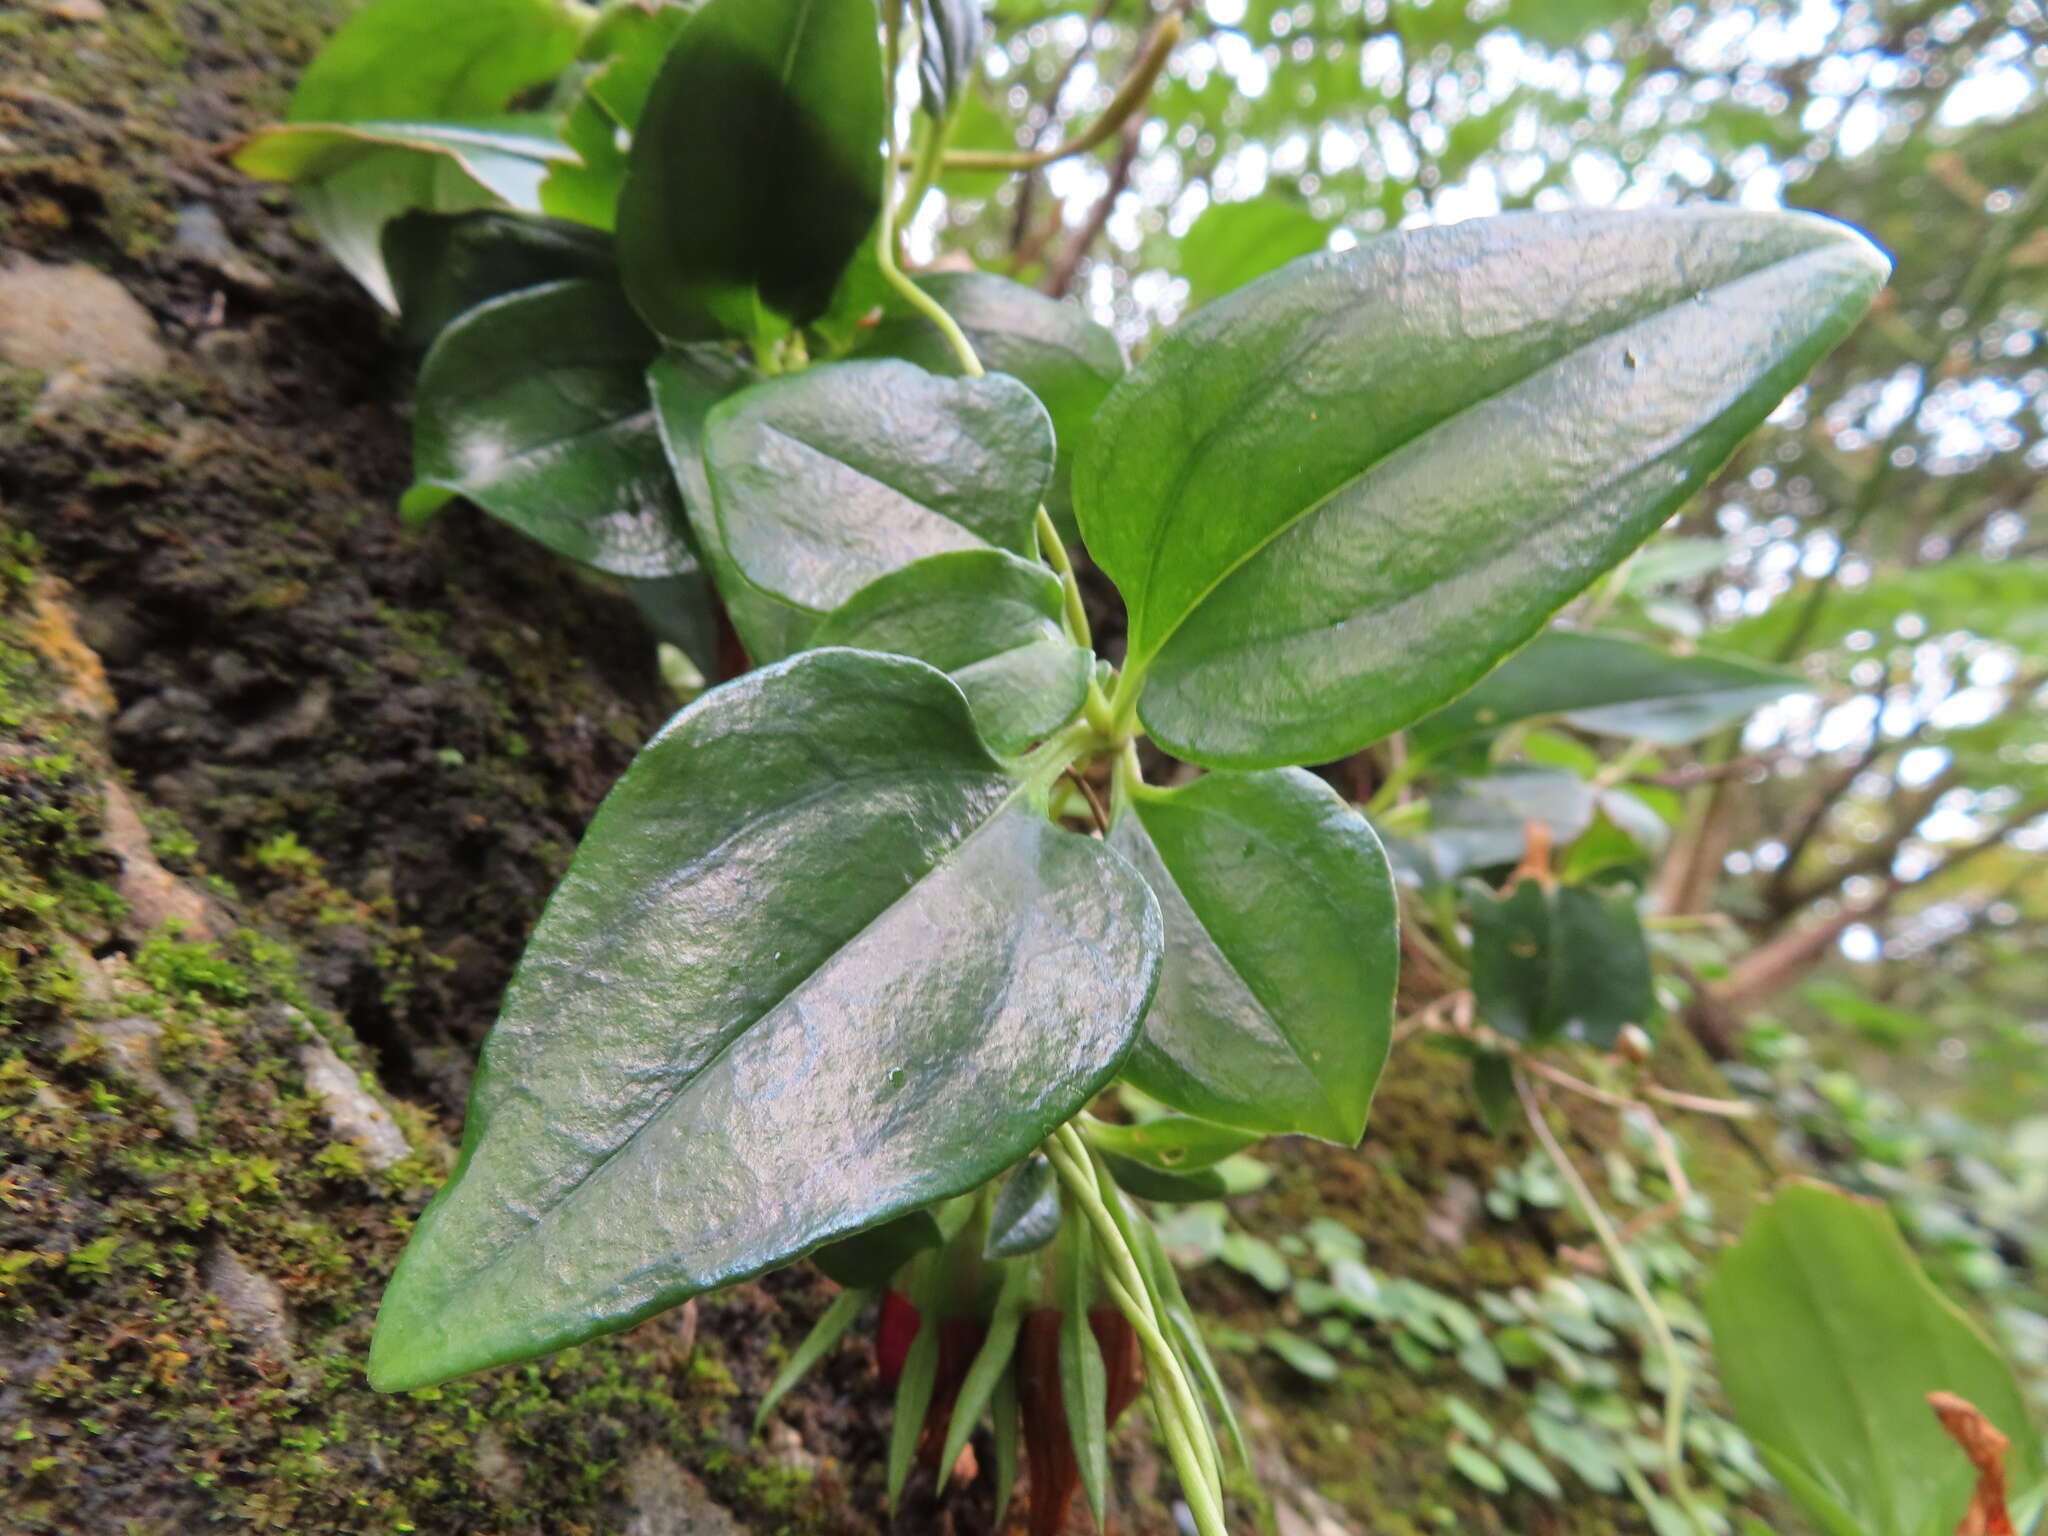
[1229, 244]
[2004, 600]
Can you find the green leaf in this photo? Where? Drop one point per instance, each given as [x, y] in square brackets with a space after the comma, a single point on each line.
[1493, 1086]
[1084, 1376]
[1172, 1143]
[403, 59]
[1258, 1259]
[1149, 1183]
[1026, 1215]
[756, 169]
[444, 264]
[1608, 686]
[988, 620]
[535, 407]
[813, 887]
[1310, 1359]
[1335, 499]
[913, 1400]
[1477, 1468]
[1572, 961]
[823, 1338]
[354, 178]
[685, 384]
[1232, 243]
[1275, 1004]
[871, 1259]
[824, 480]
[1829, 1337]
[1060, 354]
[1004, 1424]
[1527, 1468]
[1480, 822]
[991, 1364]
[627, 47]
[952, 32]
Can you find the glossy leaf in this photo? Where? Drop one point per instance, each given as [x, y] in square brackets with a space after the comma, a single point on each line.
[1275, 1002]
[1063, 356]
[824, 480]
[1334, 500]
[1609, 686]
[1829, 1336]
[443, 265]
[1232, 243]
[756, 169]
[535, 407]
[952, 34]
[813, 888]
[684, 385]
[1026, 1215]
[1549, 963]
[352, 179]
[988, 620]
[871, 1259]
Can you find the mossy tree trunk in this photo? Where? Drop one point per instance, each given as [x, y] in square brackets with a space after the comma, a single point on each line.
[282, 789]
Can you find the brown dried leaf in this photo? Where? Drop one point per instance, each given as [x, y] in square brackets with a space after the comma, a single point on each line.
[1986, 1448]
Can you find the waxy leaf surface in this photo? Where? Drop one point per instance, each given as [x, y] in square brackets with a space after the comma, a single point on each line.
[824, 480]
[1275, 1003]
[443, 265]
[988, 620]
[1063, 356]
[1610, 686]
[815, 964]
[535, 407]
[685, 384]
[1336, 498]
[1829, 1336]
[756, 168]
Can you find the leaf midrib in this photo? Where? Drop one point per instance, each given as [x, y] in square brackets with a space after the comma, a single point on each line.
[1316, 335]
[568, 1195]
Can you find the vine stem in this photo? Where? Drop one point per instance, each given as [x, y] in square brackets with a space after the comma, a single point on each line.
[1677, 1380]
[1189, 1438]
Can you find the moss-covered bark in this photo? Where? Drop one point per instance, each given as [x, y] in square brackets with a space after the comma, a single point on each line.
[281, 790]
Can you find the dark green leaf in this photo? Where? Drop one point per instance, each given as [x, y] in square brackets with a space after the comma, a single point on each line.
[1511, 959]
[913, 1399]
[1609, 686]
[685, 384]
[1003, 1429]
[813, 887]
[535, 407]
[952, 34]
[1065, 358]
[988, 620]
[1493, 1085]
[1084, 1378]
[682, 611]
[1275, 1003]
[1528, 1469]
[1172, 1143]
[1150, 1183]
[627, 47]
[824, 480]
[1027, 1211]
[1335, 499]
[1232, 243]
[445, 264]
[1550, 963]
[869, 1259]
[1829, 1337]
[817, 1344]
[756, 169]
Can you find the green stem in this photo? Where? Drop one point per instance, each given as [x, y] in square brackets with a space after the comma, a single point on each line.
[1190, 1440]
[1677, 1380]
[1053, 550]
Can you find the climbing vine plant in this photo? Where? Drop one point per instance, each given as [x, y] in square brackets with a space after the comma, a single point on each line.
[848, 952]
